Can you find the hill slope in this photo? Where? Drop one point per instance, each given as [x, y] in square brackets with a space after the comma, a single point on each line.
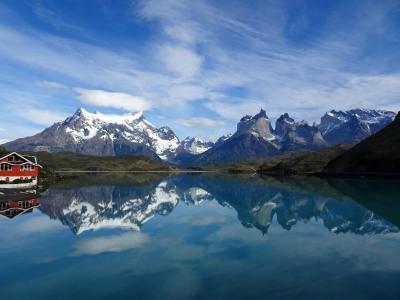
[378, 154]
[67, 161]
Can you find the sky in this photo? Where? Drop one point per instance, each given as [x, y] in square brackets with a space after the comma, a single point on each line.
[195, 66]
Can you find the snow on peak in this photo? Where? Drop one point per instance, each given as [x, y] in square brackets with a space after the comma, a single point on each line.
[109, 118]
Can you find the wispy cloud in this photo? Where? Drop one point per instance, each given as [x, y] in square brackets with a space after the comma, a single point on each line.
[51, 84]
[214, 60]
[182, 61]
[43, 117]
[200, 122]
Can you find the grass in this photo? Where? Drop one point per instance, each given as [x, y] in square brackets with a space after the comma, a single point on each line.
[78, 162]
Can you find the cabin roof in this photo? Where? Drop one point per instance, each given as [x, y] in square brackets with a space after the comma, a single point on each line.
[30, 159]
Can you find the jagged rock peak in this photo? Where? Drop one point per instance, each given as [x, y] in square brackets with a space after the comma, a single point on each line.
[258, 125]
[261, 114]
[284, 124]
[285, 117]
[246, 118]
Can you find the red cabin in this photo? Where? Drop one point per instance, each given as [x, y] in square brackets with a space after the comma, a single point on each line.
[16, 166]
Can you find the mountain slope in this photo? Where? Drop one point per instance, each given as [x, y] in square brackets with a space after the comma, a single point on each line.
[238, 147]
[377, 154]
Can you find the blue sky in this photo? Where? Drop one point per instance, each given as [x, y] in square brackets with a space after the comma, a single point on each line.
[196, 66]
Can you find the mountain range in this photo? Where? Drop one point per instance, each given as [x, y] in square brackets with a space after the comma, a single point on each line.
[131, 134]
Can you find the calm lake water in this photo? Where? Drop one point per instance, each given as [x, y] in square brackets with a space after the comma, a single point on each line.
[151, 236]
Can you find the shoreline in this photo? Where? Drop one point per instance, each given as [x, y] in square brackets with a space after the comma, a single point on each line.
[359, 175]
[138, 171]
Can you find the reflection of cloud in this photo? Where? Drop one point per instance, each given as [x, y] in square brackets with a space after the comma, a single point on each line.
[114, 243]
[185, 252]
[200, 220]
[235, 232]
[37, 224]
[45, 260]
[184, 284]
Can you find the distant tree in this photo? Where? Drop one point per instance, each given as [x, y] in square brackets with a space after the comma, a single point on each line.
[3, 151]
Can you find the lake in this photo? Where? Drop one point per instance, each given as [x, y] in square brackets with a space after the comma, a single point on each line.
[191, 236]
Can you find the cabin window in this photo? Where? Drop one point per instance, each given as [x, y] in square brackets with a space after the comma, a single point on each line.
[5, 167]
[4, 205]
[27, 168]
[11, 158]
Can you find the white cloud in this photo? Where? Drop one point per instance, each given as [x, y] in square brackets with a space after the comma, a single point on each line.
[115, 100]
[42, 116]
[3, 141]
[114, 243]
[200, 122]
[179, 60]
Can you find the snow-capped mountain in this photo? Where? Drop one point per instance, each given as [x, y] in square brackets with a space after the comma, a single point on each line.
[195, 145]
[353, 126]
[101, 134]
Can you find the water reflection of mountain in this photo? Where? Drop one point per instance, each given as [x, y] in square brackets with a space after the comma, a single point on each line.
[257, 202]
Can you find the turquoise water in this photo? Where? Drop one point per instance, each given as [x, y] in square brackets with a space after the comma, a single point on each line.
[205, 237]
